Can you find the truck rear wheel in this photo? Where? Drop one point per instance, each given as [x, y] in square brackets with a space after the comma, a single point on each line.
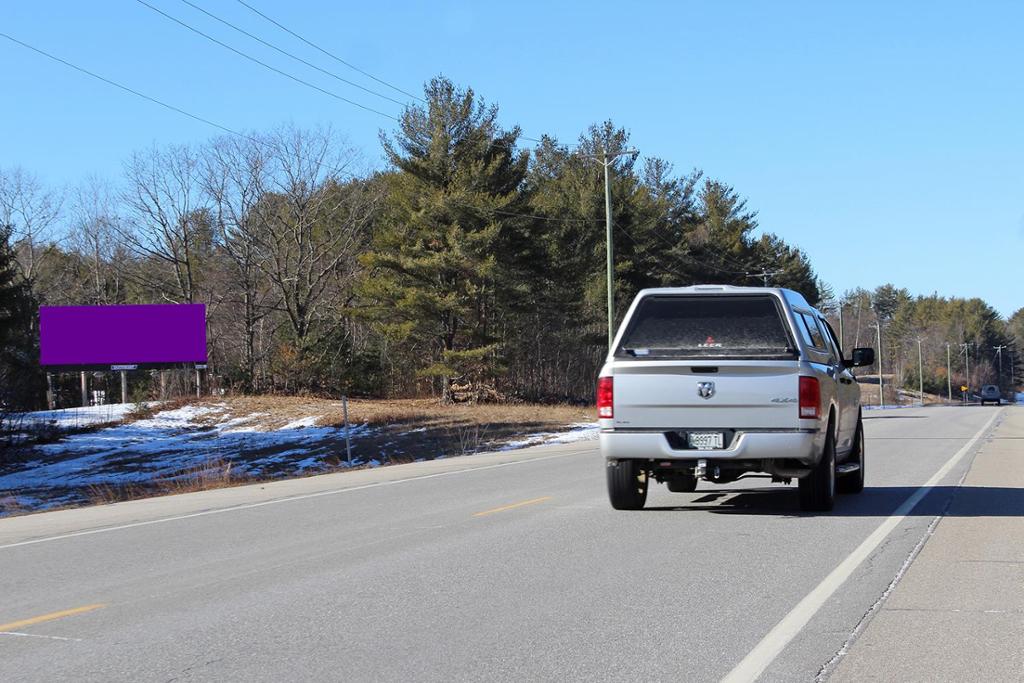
[853, 482]
[627, 485]
[818, 489]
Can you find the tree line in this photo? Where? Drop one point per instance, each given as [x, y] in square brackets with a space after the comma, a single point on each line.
[471, 267]
[931, 340]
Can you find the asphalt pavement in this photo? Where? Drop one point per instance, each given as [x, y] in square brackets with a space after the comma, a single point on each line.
[492, 567]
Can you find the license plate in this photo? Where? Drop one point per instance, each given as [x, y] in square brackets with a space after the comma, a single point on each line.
[706, 441]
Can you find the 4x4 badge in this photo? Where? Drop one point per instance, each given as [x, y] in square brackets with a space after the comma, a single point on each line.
[705, 389]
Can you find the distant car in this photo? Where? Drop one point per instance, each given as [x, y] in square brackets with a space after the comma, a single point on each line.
[990, 394]
[716, 382]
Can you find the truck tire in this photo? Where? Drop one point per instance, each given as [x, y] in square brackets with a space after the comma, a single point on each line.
[854, 481]
[818, 489]
[682, 484]
[627, 485]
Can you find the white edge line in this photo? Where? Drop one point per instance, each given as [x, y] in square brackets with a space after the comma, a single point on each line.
[765, 652]
[275, 501]
[36, 635]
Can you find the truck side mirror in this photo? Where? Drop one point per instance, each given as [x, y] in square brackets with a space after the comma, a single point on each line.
[861, 357]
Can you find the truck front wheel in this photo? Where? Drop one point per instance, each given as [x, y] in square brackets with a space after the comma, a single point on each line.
[627, 485]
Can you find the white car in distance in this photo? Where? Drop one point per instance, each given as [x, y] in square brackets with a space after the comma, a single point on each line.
[717, 382]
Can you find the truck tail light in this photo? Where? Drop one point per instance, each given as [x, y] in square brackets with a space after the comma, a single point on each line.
[605, 397]
[810, 398]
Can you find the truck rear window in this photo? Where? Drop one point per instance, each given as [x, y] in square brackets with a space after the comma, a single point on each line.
[706, 327]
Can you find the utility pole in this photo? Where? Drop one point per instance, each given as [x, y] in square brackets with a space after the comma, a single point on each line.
[842, 340]
[765, 274]
[606, 160]
[878, 327]
[949, 377]
[967, 368]
[1013, 378]
[999, 356]
[920, 372]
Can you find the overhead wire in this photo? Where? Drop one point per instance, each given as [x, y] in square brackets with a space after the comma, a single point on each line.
[265, 65]
[289, 54]
[125, 88]
[328, 53]
[332, 56]
[678, 257]
[148, 98]
[648, 260]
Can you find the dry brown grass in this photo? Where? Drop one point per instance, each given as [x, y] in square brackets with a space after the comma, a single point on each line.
[206, 476]
[276, 411]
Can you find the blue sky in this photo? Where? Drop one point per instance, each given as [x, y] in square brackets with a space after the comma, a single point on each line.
[885, 139]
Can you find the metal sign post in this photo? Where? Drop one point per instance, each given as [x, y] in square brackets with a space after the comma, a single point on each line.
[348, 441]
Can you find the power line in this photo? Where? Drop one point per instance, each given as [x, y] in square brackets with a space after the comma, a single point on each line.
[651, 263]
[692, 259]
[126, 88]
[333, 56]
[329, 54]
[289, 54]
[148, 98]
[765, 274]
[265, 65]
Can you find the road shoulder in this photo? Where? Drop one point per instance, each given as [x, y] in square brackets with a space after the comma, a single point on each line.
[958, 611]
[34, 528]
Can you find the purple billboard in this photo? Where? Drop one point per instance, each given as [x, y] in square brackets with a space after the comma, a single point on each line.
[144, 335]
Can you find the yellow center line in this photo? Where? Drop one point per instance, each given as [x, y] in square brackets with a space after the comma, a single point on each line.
[512, 506]
[15, 625]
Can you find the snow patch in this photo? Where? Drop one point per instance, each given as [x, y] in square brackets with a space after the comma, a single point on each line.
[304, 422]
[581, 431]
[74, 418]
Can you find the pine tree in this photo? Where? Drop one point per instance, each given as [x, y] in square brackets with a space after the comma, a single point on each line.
[437, 261]
[18, 378]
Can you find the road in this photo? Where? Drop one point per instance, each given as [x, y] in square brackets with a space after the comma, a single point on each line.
[516, 569]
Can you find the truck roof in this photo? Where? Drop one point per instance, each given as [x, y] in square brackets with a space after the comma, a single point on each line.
[794, 298]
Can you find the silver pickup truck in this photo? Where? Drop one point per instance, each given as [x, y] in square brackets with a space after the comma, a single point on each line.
[716, 382]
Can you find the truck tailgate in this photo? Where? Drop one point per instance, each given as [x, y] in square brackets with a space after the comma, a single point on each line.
[685, 394]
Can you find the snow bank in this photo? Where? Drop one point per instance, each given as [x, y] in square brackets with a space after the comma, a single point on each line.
[74, 418]
[172, 441]
[582, 431]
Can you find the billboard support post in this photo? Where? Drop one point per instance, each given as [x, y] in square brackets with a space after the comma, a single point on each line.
[51, 402]
[163, 385]
[85, 390]
[198, 385]
[124, 386]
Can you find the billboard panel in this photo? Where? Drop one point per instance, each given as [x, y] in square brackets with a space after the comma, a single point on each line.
[143, 335]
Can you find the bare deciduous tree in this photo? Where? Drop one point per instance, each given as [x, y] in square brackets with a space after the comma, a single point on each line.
[31, 211]
[310, 226]
[235, 172]
[93, 235]
[168, 220]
